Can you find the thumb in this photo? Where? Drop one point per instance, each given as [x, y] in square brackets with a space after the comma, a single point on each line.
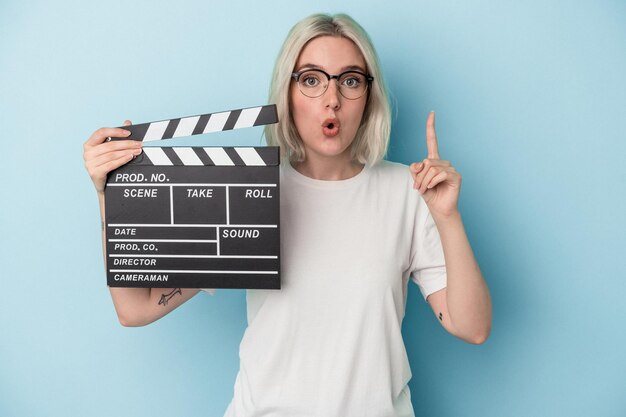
[127, 122]
[415, 167]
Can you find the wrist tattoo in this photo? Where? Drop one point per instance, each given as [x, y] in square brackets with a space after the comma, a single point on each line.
[166, 297]
[440, 317]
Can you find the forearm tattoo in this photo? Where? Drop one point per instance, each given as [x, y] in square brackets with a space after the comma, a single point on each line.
[440, 316]
[166, 297]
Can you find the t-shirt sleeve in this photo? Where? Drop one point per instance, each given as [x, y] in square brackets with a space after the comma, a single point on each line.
[428, 267]
[209, 290]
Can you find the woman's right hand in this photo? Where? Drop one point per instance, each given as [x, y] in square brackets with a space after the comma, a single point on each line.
[102, 157]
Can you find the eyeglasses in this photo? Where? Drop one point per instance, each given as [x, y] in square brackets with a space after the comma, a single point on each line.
[314, 83]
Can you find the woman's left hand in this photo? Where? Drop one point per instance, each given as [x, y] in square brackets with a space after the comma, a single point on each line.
[436, 179]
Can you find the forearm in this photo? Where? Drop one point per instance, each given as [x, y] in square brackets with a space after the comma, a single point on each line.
[130, 303]
[468, 299]
[103, 228]
[141, 306]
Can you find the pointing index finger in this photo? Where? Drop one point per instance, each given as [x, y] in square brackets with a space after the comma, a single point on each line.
[431, 137]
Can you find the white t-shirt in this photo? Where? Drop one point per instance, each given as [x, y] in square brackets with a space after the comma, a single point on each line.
[329, 342]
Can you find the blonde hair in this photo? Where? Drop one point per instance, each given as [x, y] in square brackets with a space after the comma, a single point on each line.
[372, 137]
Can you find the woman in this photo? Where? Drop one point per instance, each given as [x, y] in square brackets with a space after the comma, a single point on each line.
[354, 229]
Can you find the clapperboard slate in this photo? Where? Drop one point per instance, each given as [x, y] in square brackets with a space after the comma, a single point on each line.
[195, 217]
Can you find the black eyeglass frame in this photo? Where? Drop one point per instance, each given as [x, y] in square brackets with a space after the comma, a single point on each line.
[296, 77]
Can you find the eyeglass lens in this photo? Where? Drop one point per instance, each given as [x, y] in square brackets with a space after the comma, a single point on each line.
[314, 83]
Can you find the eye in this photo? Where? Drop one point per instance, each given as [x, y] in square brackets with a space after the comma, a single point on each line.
[309, 79]
[352, 80]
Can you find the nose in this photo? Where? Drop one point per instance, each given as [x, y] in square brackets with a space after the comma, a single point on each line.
[332, 96]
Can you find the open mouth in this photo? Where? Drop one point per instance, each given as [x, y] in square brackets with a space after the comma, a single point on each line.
[330, 127]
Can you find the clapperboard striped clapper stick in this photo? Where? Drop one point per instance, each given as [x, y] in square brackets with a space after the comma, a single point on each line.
[195, 217]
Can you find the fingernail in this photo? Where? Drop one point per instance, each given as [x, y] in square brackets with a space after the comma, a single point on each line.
[137, 151]
[128, 132]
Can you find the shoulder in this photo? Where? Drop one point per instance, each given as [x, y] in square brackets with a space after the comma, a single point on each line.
[389, 166]
[393, 179]
[395, 182]
[391, 171]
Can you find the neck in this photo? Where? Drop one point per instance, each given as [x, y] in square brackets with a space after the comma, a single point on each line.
[328, 169]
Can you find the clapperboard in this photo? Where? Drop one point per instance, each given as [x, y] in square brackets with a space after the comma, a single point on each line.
[195, 217]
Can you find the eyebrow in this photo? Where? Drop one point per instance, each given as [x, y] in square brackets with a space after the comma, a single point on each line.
[344, 69]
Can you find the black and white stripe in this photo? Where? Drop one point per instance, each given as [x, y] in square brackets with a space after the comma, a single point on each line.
[205, 123]
[208, 156]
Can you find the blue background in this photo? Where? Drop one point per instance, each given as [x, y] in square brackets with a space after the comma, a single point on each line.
[530, 103]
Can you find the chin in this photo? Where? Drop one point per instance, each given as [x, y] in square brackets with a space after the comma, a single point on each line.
[330, 152]
[327, 146]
